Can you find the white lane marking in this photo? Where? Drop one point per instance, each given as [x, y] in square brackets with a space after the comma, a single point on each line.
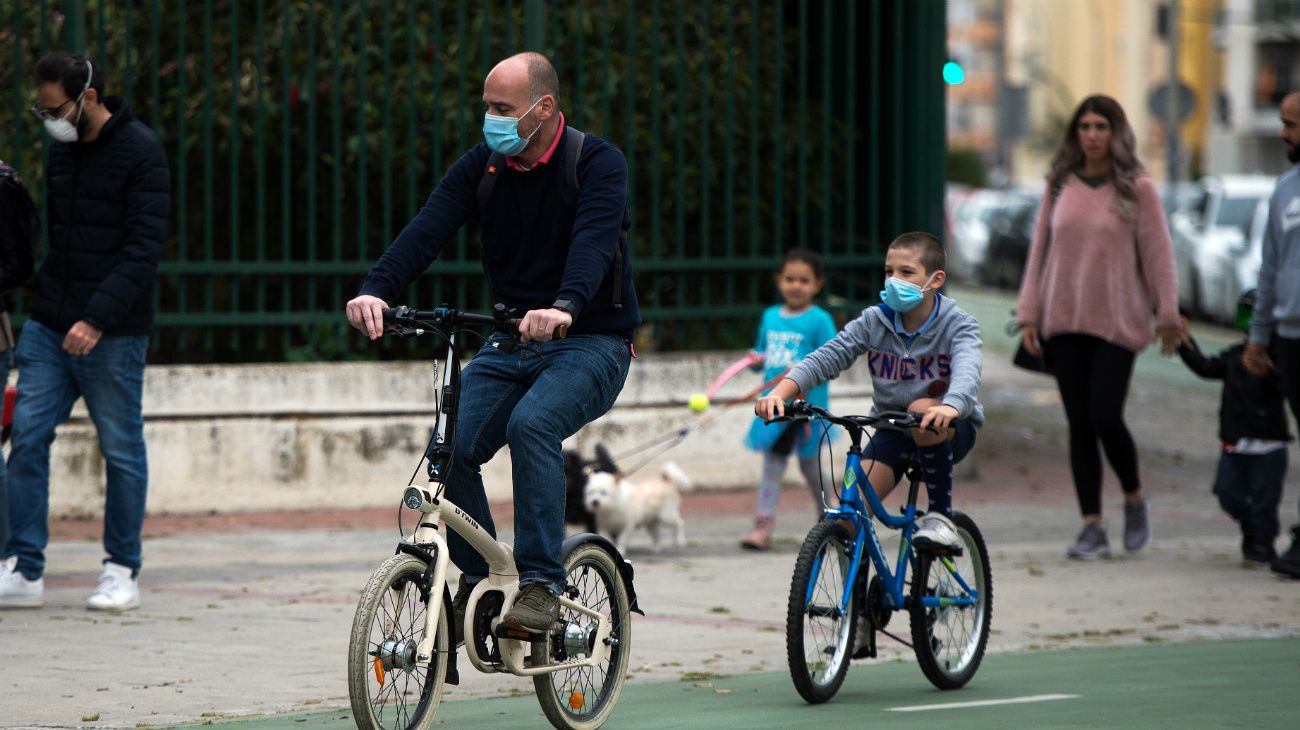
[984, 703]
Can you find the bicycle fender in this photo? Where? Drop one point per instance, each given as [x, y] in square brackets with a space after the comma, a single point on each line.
[625, 571]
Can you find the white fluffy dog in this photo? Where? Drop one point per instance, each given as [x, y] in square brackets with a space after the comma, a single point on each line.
[620, 505]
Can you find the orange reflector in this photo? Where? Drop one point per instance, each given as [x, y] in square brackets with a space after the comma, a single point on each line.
[379, 671]
[577, 700]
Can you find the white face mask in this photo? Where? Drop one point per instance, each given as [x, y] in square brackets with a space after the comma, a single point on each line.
[62, 129]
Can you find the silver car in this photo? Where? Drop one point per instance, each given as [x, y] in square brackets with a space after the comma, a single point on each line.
[1210, 239]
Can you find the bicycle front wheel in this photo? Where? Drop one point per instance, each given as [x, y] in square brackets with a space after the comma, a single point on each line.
[389, 688]
[583, 698]
[949, 640]
[820, 623]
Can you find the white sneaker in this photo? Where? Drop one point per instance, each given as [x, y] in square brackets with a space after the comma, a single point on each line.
[936, 533]
[18, 592]
[117, 590]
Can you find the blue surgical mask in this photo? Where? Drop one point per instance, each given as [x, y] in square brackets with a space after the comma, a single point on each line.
[903, 296]
[502, 133]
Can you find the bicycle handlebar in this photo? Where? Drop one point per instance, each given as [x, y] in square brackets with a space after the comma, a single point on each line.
[405, 320]
[802, 410]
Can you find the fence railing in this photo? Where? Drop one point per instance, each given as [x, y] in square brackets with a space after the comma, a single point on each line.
[304, 134]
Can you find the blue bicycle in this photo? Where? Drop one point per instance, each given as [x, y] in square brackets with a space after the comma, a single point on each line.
[950, 602]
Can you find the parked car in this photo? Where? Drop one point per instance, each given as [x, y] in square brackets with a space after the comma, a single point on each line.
[973, 212]
[1011, 228]
[1204, 230]
[1228, 264]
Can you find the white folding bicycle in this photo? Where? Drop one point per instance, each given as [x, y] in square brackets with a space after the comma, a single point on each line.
[402, 651]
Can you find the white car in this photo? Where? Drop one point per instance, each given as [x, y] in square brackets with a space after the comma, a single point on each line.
[971, 219]
[1209, 238]
[1229, 259]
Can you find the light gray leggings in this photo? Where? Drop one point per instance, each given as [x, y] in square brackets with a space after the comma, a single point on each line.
[769, 484]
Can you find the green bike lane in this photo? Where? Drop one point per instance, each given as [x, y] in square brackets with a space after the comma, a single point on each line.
[1209, 684]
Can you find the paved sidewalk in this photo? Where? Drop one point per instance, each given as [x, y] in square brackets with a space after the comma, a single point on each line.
[250, 616]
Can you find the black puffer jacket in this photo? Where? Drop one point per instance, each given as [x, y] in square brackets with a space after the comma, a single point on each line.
[107, 209]
[1251, 407]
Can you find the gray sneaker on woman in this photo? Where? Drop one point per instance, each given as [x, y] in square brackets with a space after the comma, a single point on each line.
[1137, 525]
[1091, 544]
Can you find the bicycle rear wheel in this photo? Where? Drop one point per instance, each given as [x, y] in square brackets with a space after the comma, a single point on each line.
[818, 632]
[949, 640]
[389, 689]
[583, 698]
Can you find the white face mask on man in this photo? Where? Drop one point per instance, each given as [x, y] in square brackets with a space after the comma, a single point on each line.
[63, 129]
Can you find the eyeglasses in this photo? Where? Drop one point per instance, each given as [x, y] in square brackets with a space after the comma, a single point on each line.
[48, 113]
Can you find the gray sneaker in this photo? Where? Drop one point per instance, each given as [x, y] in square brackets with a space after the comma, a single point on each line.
[536, 610]
[1137, 525]
[1091, 544]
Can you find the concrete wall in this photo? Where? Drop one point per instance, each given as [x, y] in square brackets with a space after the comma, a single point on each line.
[271, 437]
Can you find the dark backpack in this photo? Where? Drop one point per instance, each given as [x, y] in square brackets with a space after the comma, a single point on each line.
[28, 226]
[572, 149]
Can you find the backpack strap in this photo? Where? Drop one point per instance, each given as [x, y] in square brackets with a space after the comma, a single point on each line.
[485, 184]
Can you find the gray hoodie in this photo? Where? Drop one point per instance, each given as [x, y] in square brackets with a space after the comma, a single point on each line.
[1277, 303]
[943, 359]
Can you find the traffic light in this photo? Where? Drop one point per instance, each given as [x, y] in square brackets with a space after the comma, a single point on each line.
[953, 73]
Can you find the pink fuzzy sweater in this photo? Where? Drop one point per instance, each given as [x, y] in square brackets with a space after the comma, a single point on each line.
[1103, 276]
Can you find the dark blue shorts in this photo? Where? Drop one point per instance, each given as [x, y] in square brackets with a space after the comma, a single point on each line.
[893, 448]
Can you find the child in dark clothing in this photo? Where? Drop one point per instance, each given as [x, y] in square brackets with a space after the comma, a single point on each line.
[1253, 429]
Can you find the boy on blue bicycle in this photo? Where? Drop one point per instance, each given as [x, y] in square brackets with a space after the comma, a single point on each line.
[925, 355]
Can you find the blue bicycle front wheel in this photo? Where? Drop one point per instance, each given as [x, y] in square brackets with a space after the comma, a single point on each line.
[823, 614]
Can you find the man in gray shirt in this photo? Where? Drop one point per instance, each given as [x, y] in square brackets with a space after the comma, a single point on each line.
[1277, 307]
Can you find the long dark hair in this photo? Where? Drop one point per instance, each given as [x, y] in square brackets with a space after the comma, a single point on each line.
[1126, 168]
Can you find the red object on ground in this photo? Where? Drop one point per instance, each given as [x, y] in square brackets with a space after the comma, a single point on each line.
[11, 394]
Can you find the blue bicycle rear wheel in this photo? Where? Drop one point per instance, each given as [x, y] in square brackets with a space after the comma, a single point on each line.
[950, 635]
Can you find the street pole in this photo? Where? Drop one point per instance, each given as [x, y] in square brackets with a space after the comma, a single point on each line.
[1171, 97]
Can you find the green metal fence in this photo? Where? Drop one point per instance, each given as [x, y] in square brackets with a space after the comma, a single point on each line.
[303, 135]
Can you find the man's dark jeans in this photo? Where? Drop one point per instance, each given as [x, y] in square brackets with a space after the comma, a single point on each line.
[531, 399]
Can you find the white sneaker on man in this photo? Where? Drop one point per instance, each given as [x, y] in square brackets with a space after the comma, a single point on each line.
[936, 532]
[16, 591]
[117, 590]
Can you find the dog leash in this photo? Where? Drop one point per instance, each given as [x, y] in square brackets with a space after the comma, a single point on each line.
[676, 436]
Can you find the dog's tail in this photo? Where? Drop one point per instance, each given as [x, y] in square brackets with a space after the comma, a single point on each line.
[675, 475]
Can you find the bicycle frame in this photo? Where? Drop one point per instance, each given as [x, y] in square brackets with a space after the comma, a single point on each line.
[502, 576]
[854, 508]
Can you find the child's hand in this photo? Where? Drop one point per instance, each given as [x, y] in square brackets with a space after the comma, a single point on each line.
[768, 407]
[941, 417]
[772, 405]
[1256, 360]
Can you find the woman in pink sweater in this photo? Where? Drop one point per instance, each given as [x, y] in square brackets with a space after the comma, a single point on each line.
[1100, 266]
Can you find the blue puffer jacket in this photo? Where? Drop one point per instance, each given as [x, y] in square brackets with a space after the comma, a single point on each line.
[107, 206]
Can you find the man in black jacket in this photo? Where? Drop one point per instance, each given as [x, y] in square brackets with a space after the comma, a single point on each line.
[18, 234]
[109, 196]
[552, 208]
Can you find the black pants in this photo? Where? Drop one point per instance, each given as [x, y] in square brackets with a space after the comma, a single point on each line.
[1093, 376]
[1287, 352]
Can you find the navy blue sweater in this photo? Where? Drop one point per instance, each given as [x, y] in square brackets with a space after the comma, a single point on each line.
[541, 241]
[107, 206]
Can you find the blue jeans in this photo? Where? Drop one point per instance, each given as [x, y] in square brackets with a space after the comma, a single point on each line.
[6, 364]
[531, 400]
[1249, 488]
[110, 378]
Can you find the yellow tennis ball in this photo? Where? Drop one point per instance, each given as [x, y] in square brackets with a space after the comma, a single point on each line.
[699, 402]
